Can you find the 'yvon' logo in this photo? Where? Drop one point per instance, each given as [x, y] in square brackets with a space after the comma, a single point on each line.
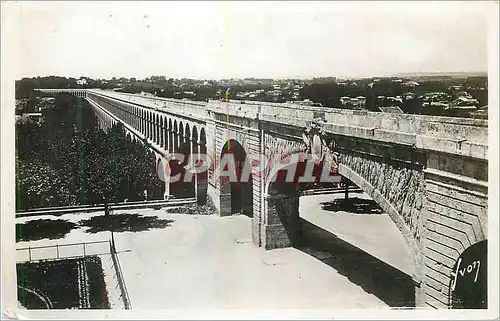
[471, 268]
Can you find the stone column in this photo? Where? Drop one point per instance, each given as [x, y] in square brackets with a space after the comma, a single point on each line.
[169, 139]
[201, 178]
[281, 221]
[162, 135]
[176, 140]
[150, 126]
[157, 131]
[193, 148]
[142, 127]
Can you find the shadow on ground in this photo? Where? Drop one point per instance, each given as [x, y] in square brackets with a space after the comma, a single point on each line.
[387, 283]
[43, 229]
[123, 223]
[352, 205]
[194, 209]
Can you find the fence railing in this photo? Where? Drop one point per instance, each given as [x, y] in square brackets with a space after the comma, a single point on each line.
[119, 276]
[333, 190]
[84, 246]
[60, 210]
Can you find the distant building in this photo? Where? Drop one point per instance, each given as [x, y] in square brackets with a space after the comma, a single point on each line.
[305, 102]
[396, 99]
[464, 102]
[144, 93]
[35, 117]
[457, 87]
[81, 81]
[362, 100]
[358, 102]
[391, 109]
[408, 96]
[441, 104]
[462, 94]
[411, 84]
[344, 100]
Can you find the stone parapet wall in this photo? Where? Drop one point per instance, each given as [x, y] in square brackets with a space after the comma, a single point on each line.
[456, 219]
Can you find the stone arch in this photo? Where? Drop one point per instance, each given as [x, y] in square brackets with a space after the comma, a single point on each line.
[169, 134]
[151, 125]
[203, 137]
[387, 207]
[188, 137]
[181, 131]
[148, 124]
[236, 190]
[154, 122]
[200, 160]
[187, 131]
[195, 143]
[137, 119]
[162, 136]
[175, 145]
[143, 121]
[184, 183]
[286, 223]
[195, 131]
[194, 134]
[156, 127]
[181, 138]
[273, 172]
[203, 176]
[165, 133]
[133, 111]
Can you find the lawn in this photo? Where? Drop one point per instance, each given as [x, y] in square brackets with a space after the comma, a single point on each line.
[62, 284]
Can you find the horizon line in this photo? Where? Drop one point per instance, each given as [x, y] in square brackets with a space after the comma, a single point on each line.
[397, 74]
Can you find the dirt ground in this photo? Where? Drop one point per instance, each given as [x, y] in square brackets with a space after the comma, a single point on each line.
[209, 262]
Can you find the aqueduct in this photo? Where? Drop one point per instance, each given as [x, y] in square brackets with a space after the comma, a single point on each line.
[430, 174]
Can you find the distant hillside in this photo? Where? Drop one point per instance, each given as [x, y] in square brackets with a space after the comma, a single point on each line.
[442, 74]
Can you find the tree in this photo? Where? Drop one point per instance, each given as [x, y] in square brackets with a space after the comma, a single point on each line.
[39, 185]
[86, 164]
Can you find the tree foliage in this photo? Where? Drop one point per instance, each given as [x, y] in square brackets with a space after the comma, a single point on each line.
[66, 160]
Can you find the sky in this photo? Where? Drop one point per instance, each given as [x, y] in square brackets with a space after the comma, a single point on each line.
[215, 40]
